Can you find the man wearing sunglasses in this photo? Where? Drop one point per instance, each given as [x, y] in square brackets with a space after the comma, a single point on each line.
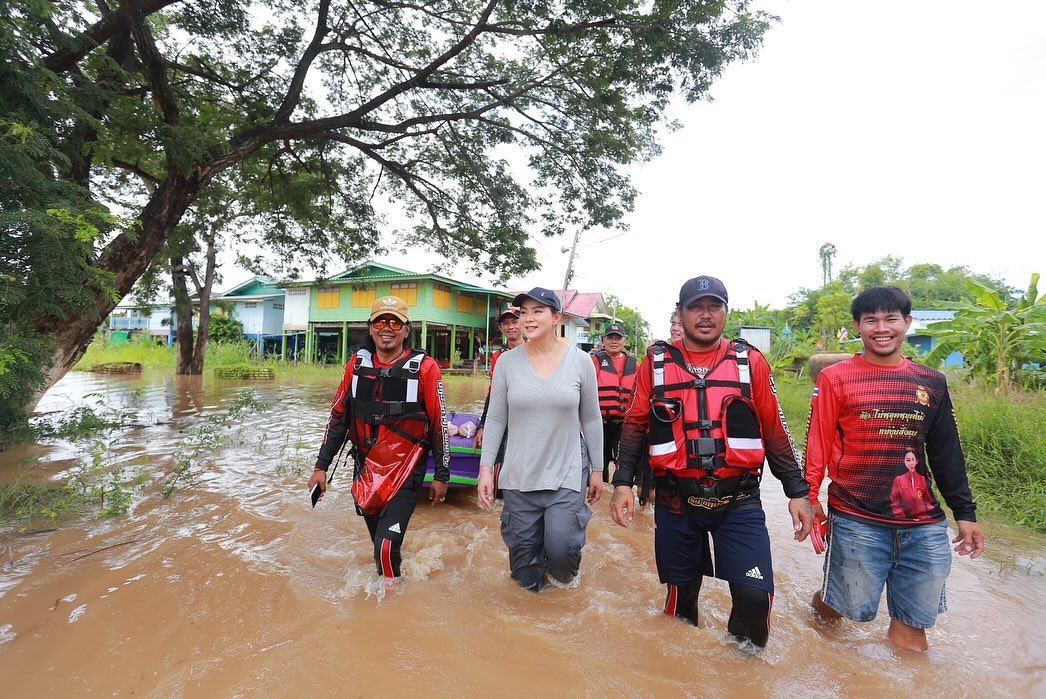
[707, 411]
[389, 395]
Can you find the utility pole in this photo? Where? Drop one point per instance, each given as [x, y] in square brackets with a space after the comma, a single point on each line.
[570, 261]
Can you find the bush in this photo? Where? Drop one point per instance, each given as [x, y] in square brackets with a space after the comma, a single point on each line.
[1005, 448]
[224, 328]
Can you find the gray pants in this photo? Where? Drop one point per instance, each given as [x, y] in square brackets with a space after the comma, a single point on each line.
[545, 532]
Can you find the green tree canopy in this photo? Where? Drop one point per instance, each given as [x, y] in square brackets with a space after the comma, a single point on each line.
[474, 122]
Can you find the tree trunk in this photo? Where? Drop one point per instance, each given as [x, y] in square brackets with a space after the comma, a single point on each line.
[126, 258]
[204, 292]
[183, 310]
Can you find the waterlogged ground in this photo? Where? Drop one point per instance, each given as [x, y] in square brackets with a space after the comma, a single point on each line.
[235, 587]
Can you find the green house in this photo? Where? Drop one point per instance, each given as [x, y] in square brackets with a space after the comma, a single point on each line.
[325, 320]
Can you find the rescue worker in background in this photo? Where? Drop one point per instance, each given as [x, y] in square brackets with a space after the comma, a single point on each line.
[709, 413]
[616, 376]
[508, 322]
[389, 391]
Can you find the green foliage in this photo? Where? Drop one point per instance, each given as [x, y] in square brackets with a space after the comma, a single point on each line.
[1005, 449]
[225, 328]
[997, 338]
[475, 123]
[631, 320]
[141, 349]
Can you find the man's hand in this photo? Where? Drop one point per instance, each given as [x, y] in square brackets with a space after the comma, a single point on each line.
[970, 540]
[478, 444]
[802, 517]
[318, 477]
[622, 505]
[485, 488]
[595, 487]
[437, 493]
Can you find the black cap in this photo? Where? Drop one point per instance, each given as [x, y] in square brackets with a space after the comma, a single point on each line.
[698, 287]
[512, 311]
[542, 296]
[614, 329]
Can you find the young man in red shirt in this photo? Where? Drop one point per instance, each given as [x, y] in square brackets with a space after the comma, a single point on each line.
[874, 419]
[389, 392]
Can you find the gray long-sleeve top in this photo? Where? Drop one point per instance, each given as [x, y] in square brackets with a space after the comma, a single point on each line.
[548, 416]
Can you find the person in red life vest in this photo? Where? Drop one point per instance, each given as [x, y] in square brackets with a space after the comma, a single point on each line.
[389, 392]
[508, 322]
[707, 412]
[867, 414]
[910, 496]
[616, 376]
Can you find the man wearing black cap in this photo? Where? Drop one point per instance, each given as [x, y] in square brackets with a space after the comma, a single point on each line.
[508, 322]
[616, 375]
[708, 414]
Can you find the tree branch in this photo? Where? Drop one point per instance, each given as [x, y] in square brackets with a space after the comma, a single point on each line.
[101, 31]
[290, 101]
[151, 181]
[153, 61]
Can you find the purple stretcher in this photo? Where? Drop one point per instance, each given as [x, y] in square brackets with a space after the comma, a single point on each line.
[464, 460]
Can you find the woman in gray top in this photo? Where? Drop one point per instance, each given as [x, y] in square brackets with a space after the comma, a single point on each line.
[547, 390]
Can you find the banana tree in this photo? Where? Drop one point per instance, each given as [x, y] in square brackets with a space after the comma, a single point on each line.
[996, 338]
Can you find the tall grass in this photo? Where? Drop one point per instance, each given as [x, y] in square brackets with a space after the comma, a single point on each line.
[1005, 446]
[142, 350]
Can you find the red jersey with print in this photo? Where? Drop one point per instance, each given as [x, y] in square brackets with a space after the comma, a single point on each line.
[884, 434]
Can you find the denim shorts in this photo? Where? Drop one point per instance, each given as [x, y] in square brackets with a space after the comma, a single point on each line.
[912, 562]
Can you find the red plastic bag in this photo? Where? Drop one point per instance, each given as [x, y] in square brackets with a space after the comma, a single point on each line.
[387, 467]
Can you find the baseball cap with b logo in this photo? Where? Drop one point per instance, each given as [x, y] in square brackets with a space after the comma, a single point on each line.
[699, 287]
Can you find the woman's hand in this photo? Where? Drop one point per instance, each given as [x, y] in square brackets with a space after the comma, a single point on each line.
[485, 488]
[595, 487]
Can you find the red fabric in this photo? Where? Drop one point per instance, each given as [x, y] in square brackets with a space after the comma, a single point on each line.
[864, 419]
[780, 449]
[431, 390]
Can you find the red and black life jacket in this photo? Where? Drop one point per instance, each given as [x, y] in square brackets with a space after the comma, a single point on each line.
[704, 430]
[615, 390]
[400, 408]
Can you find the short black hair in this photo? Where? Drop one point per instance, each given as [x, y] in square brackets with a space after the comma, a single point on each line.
[880, 298]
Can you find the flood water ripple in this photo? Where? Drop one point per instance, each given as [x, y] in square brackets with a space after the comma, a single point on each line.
[234, 586]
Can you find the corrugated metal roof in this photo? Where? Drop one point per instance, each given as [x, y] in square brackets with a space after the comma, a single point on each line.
[933, 315]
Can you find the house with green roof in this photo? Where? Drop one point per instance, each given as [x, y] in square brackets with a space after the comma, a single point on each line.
[258, 305]
[326, 319]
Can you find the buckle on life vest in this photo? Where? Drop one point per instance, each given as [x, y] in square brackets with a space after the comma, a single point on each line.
[705, 448]
[699, 382]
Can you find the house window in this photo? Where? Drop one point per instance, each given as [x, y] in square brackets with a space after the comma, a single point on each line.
[250, 304]
[330, 298]
[464, 303]
[441, 296]
[297, 292]
[277, 306]
[408, 291]
[364, 298]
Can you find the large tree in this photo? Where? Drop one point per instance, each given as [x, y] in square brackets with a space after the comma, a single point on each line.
[477, 122]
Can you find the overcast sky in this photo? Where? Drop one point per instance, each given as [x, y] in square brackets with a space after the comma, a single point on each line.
[905, 127]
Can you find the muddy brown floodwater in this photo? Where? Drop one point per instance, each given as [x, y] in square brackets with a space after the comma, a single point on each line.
[235, 587]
